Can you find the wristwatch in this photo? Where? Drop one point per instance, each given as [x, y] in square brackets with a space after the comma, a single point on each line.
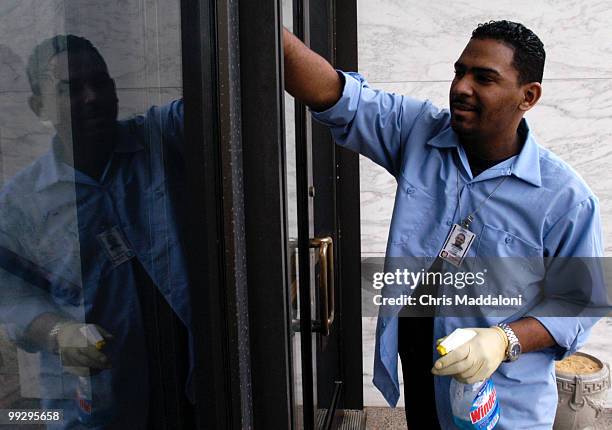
[514, 346]
[52, 337]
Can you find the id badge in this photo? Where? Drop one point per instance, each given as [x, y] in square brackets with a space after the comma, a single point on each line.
[116, 247]
[457, 245]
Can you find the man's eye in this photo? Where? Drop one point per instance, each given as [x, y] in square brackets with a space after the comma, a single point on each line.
[484, 78]
[100, 83]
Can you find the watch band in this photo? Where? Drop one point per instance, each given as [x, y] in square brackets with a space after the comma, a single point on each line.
[52, 336]
[514, 345]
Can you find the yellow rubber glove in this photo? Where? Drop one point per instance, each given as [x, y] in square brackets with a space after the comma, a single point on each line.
[476, 359]
[78, 354]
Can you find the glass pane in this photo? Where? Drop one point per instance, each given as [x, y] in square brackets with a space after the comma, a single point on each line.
[292, 223]
[94, 294]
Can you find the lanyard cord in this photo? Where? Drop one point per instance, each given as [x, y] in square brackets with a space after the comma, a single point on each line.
[470, 218]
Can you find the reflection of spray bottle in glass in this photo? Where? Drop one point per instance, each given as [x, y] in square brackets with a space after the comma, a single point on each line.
[94, 395]
[474, 406]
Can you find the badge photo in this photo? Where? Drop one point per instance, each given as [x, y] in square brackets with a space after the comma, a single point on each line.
[116, 247]
[457, 245]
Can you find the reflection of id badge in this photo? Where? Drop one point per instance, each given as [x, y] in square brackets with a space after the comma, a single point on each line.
[116, 246]
[457, 245]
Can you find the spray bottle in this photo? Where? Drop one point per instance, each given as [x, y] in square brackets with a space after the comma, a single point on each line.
[474, 406]
[94, 397]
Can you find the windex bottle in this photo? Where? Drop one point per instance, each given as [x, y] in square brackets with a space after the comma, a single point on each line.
[94, 396]
[474, 406]
[95, 399]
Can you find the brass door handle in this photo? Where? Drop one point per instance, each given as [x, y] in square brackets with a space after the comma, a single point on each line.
[325, 245]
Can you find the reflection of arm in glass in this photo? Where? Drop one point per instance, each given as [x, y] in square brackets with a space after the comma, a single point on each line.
[22, 305]
[161, 129]
[34, 320]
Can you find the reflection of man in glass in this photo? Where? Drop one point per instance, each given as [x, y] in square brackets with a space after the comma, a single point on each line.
[88, 238]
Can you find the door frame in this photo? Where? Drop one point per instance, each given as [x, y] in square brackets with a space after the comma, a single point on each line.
[263, 146]
[266, 213]
[215, 248]
[348, 221]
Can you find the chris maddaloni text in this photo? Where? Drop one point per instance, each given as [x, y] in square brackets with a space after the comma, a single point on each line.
[455, 300]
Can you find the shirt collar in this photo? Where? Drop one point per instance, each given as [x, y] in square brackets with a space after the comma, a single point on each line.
[128, 140]
[526, 164]
[53, 169]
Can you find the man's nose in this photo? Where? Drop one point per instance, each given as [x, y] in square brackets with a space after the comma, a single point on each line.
[89, 94]
[462, 86]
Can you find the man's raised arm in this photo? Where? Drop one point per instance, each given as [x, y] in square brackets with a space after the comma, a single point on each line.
[308, 76]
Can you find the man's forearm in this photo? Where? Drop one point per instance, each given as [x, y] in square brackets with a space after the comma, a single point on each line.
[308, 76]
[532, 334]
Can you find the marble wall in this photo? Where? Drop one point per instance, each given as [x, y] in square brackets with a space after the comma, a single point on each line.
[409, 47]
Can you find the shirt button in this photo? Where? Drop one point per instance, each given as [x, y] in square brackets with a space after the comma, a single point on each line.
[508, 239]
[449, 222]
[410, 190]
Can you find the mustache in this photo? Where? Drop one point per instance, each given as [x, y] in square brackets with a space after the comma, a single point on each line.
[462, 103]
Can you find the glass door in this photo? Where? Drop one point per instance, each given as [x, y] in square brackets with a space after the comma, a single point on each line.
[96, 209]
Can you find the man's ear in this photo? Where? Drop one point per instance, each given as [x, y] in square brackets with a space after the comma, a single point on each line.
[531, 94]
[35, 103]
[115, 89]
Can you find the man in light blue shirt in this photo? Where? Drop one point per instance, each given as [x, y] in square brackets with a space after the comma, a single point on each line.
[478, 167]
[88, 234]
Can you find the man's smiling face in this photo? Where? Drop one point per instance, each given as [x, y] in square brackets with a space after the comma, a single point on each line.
[79, 98]
[459, 240]
[485, 93]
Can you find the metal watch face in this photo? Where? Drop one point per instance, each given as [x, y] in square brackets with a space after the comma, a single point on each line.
[514, 351]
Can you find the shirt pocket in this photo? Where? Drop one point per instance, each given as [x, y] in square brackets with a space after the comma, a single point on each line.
[412, 215]
[514, 265]
[495, 242]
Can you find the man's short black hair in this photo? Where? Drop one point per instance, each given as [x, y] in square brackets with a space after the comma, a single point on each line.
[38, 63]
[529, 54]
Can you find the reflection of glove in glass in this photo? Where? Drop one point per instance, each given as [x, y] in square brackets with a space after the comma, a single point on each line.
[476, 359]
[78, 354]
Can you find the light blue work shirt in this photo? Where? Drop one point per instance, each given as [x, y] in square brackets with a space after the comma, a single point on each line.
[52, 216]
[543, 209]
